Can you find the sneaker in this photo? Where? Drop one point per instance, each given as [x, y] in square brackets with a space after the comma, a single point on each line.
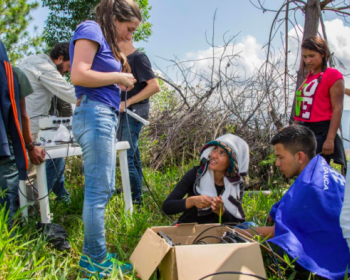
[105, 268]
[85, 260]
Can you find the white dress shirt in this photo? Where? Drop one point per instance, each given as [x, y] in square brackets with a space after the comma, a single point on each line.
[46, 81]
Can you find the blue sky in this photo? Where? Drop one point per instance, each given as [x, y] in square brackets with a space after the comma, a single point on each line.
[179, 28]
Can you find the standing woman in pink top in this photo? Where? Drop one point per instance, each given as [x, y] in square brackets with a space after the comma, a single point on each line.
[319, 100]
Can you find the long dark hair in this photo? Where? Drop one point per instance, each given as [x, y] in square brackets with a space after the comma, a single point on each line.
[317, 44]
[122, 10]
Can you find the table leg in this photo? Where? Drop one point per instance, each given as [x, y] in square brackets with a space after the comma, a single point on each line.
[124, 168]
[23, 199]
[42, 190]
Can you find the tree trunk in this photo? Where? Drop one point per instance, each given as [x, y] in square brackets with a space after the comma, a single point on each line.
[312, 19]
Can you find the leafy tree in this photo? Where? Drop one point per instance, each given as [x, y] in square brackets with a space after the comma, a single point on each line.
[14, 19]
[65, 15]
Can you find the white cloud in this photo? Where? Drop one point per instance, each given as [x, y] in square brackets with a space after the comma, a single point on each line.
[338, 36]
[253, 55]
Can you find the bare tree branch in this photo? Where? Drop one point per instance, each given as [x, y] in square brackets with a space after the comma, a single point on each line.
[176, 88]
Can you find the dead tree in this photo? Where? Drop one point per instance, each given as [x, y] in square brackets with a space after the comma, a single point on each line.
[312, 10]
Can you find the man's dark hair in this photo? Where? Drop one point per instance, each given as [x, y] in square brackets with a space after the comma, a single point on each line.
[60, 49]
[297, 138]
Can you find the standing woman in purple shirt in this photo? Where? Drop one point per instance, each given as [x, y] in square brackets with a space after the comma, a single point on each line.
[96, 65]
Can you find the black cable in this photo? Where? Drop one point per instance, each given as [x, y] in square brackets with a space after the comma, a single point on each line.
[189, 212]
[38, 116]
[58, 177]
[136, 160]
[31, 184]
[196, 239]
[272, 255]
[211, 236]
[233, 272]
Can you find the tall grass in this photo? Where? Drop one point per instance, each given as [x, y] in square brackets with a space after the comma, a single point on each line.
[24, 254]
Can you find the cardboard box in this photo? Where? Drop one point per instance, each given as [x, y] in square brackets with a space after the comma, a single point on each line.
[187, 261]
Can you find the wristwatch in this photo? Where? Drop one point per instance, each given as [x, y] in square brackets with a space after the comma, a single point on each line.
[30, 146]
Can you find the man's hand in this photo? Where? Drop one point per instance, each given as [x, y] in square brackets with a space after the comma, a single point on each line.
[328, 147]
[37, 155]
[216, 203]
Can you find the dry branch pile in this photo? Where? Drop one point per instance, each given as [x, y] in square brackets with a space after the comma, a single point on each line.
[201, 112]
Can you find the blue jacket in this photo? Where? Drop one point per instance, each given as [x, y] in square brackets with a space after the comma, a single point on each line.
[307, 223]
[8, 119]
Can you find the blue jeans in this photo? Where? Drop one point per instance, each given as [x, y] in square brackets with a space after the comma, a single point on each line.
[52, 175]
[94, 127]
[134, 162]
[9, 182]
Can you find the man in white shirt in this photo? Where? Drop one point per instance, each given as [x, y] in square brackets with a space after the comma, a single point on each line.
[45, 74]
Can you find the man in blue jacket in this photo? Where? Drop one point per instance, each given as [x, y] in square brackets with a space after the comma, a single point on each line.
[15, 135]
[307, 226]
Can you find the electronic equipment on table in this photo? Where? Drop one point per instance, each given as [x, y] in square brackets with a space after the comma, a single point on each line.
[55, 135]
[55, 131]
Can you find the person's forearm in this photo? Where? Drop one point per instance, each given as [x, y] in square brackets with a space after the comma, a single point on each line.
[56, 84]
[266, 232]
[64, 108]
[81, 73]
[174, 206]
[335, 123]
[190, 202]
[147, 92]
[27, 136]
[93, 79]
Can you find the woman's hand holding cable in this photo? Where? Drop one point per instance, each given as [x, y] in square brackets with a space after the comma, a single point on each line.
[200, 201]
[126, 81]
[216, 203]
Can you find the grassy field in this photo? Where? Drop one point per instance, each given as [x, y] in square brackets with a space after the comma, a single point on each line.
[25, 255]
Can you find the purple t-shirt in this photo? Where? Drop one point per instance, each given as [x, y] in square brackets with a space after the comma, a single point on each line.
[104, 61]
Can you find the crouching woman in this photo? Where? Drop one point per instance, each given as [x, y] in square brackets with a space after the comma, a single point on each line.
[214, 189]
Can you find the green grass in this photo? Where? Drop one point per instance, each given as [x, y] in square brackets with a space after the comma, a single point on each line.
[25, 255]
